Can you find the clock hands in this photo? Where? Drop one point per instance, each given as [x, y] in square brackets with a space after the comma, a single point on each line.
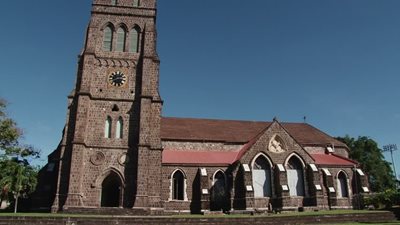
[117, 78]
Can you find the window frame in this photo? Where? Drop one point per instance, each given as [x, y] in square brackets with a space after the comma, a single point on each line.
[339, 184]
[119, 134]
[108, 127]
[271, 178]
[134, 39]
[108, 41]
[173, 188]
[136, 3]
[120, 41]
[303, 176]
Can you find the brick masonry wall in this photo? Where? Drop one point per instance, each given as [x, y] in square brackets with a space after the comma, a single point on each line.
[338, 150]
[238, 179]
[291, 148]
[193, 186]
[200, 146]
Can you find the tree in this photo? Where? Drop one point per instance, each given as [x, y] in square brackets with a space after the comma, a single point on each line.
[17, 175]
[366, 151]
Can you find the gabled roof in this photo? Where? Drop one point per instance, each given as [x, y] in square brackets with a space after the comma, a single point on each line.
[233, 131]
[332, 160]
[230, 131]
[245, 133]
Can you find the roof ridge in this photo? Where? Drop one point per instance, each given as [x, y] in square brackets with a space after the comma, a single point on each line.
[212, 119]
[233, 120]
[250, 143]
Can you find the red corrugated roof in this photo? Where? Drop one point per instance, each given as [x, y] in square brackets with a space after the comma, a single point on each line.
[325, 159]
[210, 130]
[170, 156]
[232, 131]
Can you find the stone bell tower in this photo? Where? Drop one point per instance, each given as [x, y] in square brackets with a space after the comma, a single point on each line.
[110, 154]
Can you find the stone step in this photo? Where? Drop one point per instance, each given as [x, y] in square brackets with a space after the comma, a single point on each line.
[376, 217]
[109, 211]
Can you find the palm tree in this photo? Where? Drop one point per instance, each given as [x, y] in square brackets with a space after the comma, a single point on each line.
[16, 178]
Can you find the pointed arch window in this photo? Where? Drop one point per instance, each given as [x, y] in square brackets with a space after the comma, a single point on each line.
[178, 186]
[295, 176]
[136, 3]
[219, 193]
[134, 40]
[262, 182]
[120, 127]
[342, 187]
[107, 127]
[107, 39]
[121, 39]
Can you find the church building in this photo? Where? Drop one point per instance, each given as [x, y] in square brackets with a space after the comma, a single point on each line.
[119, 153]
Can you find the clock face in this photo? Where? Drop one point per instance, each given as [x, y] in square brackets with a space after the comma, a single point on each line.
[117, 79]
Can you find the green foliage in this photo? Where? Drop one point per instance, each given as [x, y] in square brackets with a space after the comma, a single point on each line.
[385, 199]
[9, 133]
[17, 176]
[366, 151]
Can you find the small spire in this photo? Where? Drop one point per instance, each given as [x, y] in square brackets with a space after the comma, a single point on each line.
[275, 119]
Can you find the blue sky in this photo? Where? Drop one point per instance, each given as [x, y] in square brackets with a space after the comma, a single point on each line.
[335, 62]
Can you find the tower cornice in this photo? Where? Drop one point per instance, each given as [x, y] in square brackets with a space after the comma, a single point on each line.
[123, 11]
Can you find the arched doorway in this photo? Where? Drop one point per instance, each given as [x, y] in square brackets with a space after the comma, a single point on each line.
[219, 192]
[111, 191]
[262, 182]
[295, 175]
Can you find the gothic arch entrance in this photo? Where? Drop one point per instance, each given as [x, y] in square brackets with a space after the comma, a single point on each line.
[111, 191]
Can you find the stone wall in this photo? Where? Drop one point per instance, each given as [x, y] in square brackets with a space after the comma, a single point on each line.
[201, 146]
[239, 180]
[344, 152]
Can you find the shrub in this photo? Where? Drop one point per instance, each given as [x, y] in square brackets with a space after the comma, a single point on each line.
[385, 199]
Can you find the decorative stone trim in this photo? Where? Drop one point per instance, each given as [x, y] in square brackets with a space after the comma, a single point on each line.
[249, 188]
[98, 158]
[246, 167]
